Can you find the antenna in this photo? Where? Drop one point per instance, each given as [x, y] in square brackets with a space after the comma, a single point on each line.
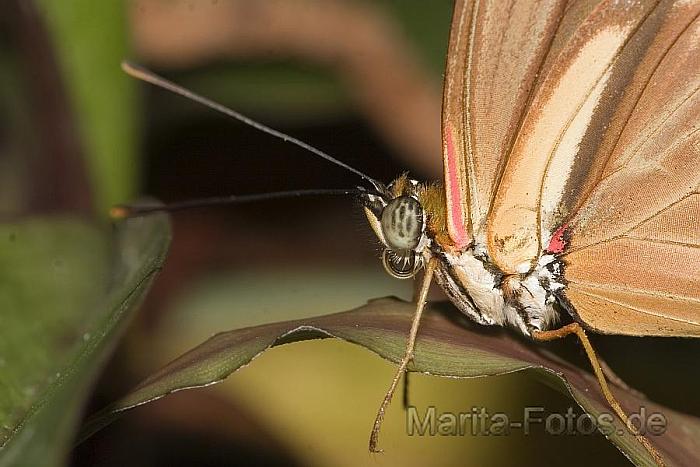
[127, 210]
[150, 77]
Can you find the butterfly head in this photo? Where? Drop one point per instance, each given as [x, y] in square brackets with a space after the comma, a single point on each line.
[397, 217]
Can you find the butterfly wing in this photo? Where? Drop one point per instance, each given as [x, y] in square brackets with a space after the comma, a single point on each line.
[496, 50]
[572, 128]
[588, 86]
[633, 262]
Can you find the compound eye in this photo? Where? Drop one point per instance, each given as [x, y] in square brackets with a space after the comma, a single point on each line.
[402, 223]
[401, 265]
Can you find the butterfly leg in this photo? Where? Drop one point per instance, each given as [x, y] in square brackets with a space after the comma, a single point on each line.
[408, 354]
[407, 376]
[612, 377]
[575, 328]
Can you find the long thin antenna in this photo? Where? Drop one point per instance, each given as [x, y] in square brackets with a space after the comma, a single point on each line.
[150, 77]
[126, 210]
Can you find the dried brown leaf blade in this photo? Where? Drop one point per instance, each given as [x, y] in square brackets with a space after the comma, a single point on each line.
[446, 347]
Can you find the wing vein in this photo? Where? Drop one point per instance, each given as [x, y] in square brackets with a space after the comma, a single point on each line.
[645, 292]
[650, 135]
[640, 310]
[471, 182]
[663, 242]
[523, 113]
[656, 213]
[644, 90]
[561, 134]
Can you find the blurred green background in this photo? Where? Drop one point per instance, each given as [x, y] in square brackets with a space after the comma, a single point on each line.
[359, 79]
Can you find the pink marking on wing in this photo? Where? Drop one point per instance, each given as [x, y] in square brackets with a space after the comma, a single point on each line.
[457, 224]
[558, 242]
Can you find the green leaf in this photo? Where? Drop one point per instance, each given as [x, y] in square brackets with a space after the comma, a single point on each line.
[90, 40]
[445, 348]
[284, 90]
[67, 289]
[427, 28]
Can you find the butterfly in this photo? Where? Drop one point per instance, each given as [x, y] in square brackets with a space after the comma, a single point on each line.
[571, 151]
[571, 193]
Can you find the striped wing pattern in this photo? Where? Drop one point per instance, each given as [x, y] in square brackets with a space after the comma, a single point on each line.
[495, 53]
[581, 118]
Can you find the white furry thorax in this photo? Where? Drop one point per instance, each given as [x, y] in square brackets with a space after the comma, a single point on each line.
[524, 302]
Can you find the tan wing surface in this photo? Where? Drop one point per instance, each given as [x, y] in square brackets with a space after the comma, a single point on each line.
[590, 86]
[496, 50]
[633, 259]
[582, 118]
